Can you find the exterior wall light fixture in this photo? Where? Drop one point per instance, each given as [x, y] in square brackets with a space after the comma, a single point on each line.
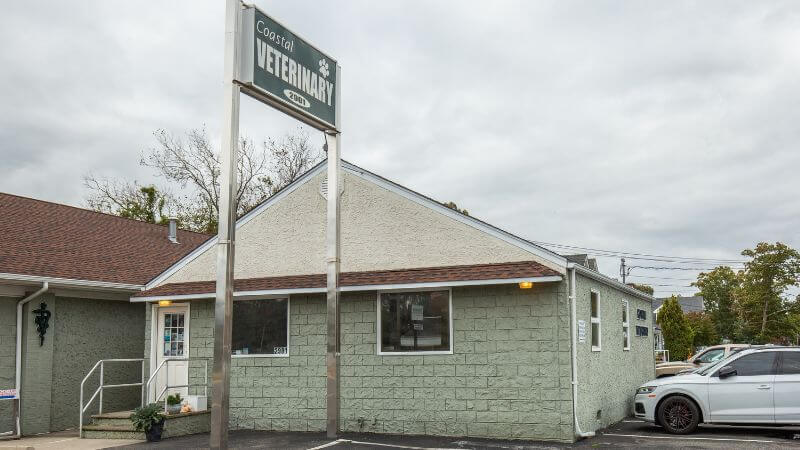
[164, 302]
[525, 284]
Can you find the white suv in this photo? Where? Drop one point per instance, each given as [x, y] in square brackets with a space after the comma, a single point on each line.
[758, 385]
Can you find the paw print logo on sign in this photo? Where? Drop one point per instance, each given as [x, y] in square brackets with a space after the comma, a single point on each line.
[323, 68]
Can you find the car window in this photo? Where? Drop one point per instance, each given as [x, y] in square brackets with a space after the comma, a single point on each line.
[710, 356]
[791, 363]
[761, 363]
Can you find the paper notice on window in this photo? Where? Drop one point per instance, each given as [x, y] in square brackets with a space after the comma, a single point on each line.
[418, 326]
[416, 313]
[581, 331]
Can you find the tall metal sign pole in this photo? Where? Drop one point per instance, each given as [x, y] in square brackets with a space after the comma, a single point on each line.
[270, 63]
[223, 305]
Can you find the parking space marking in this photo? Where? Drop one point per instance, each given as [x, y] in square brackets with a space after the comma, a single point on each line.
[329, 444]
[689, 438]
[377, 444]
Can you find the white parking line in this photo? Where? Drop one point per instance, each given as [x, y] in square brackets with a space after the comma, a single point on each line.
[376, 444]
[329, 444]
[688, 438]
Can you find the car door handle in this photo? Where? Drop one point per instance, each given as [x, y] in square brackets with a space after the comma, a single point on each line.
[765, 387]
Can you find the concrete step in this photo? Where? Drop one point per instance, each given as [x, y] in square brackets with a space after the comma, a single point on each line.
[117, 425]
[111, 432]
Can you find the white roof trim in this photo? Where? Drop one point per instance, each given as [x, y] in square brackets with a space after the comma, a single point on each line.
[467, 220]
[360, 288]
[420, 199]
[70, 282]
[597, 276]
[239, 223]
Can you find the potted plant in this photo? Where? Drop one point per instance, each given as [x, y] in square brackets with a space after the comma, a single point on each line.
[150, 420]
[174, 403]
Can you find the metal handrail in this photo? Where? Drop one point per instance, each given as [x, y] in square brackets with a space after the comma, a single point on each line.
[103, 386]
[664, 357]
[167, 386]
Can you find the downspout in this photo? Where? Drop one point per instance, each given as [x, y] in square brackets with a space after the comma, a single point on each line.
[18, 364]
[574, 351]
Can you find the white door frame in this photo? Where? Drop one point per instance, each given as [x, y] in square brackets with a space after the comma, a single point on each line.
[155, 339]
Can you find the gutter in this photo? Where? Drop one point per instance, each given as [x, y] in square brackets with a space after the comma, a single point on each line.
[574, 351]
[18, 353]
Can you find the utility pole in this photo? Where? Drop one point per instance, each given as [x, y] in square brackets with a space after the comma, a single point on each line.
[624, 271]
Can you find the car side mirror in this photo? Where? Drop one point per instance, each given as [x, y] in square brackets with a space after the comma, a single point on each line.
[726, 372]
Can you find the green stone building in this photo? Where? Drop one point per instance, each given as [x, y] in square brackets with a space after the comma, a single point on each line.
[449, 325]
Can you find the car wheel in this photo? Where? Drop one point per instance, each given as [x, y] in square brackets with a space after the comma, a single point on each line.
[679, 415]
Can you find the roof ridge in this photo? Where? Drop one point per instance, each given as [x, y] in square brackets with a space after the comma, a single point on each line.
[64, 205]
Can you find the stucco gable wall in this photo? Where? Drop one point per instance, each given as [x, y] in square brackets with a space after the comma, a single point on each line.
[380, 230]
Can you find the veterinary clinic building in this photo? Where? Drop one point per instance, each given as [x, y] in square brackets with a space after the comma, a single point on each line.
[449, 325]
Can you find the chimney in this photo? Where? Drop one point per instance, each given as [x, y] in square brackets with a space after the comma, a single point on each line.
[173, 230]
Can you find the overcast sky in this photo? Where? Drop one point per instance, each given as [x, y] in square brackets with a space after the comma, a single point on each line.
[656, 127]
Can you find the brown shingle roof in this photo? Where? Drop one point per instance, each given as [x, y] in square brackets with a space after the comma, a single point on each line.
[476, 272]
[53, 240]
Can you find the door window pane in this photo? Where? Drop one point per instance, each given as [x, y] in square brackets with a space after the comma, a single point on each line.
[791, 363]
[761, 363]
[415, 321]
[173, 334]
[260, 327]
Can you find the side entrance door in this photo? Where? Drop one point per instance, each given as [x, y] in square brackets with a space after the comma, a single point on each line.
[172, 343]
[747, 396]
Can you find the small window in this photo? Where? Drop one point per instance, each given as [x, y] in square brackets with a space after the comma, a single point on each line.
[791, 363]
[596, 332]
[260, 327]
[414, 322]
[626, 334]
[641, 314]
[642, 331]
[761, 363]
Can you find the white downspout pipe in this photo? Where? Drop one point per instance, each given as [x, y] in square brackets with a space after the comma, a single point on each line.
[18, 353]
[574, 351]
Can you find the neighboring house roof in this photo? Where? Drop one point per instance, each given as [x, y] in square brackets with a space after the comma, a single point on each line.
[426, 276]
[584, 260]
[688, 304]
[44, 239]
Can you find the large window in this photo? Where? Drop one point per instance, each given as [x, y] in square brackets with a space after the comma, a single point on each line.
[261, 327]
[626, 334]
[414, 322]
[594, 299]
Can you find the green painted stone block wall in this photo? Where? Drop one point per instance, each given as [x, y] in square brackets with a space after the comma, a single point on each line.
[607, 379]
[8, 333]
[509, 375]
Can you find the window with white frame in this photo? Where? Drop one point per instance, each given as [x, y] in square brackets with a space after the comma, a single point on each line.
[626, 334]
[595, 319]
[260, 327]
[414, 322]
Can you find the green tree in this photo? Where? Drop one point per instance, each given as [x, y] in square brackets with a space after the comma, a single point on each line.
[718, 289]
[646, 288]
[704, 332]
[763, 309]
[145, 203]
[675, 329]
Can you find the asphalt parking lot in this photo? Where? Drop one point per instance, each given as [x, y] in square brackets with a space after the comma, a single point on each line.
[630, 433]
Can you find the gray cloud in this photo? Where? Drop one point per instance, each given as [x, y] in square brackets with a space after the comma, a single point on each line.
[659, 127]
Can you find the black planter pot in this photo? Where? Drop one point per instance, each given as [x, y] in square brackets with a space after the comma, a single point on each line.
[154, 433]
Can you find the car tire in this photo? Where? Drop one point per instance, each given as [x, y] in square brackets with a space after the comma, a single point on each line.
[679, 415]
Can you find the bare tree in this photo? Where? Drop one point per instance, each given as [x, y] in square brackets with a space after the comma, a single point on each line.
[192, 163]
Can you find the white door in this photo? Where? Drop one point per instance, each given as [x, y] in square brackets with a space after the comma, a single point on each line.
[172, 343]
[746, 397]
[787, 389]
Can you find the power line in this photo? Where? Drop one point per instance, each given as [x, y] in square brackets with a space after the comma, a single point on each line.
[662, 278]
[642, 256]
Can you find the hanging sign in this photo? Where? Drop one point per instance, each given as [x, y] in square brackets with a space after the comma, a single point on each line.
[581, 331]
[285, 71]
